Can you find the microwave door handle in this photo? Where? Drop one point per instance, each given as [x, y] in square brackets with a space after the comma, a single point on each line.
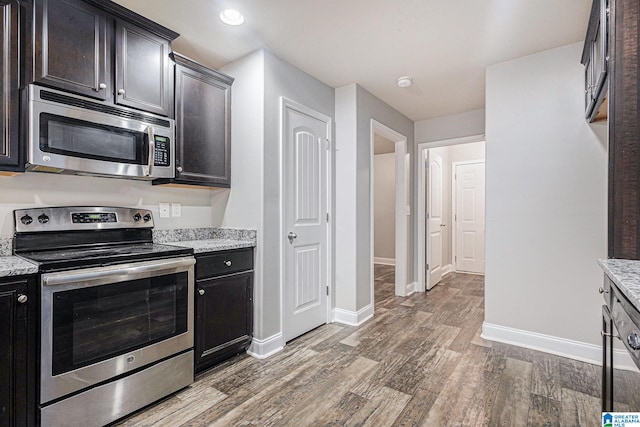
[152, 149]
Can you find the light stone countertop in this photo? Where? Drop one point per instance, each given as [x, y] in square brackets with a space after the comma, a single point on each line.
[626, 275]
[214, 245]
[16, 266]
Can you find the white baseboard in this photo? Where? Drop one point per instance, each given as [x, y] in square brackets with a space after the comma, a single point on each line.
[385, 261]
[261, 349]
[447, 269]
[559, 346]
[411, 288]
[353, 318]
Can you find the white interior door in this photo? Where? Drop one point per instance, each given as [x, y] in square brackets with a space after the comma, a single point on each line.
[470, 228]
[434, 219]
[305, 140]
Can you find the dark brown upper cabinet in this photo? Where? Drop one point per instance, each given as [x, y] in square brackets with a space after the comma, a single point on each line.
[203, 125]
[595, 58]
[11, 156]
[71, 51]
[99, 49]
[144, 73]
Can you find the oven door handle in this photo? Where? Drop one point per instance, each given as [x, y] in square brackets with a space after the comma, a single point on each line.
[118, 273]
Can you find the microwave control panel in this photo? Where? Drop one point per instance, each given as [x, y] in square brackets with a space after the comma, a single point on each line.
[162, 154]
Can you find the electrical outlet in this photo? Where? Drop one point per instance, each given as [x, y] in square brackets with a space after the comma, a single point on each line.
[165, 210]
[176, 210]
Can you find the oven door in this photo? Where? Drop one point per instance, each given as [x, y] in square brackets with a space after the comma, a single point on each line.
[98, 323]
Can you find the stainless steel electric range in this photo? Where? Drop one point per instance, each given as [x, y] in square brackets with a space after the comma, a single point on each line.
[116, 311]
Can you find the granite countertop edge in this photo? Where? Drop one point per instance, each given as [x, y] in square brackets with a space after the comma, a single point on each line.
[626, 275]
[213, 245]
[16, 266]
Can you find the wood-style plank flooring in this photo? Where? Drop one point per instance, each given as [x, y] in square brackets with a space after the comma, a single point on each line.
[419, 362]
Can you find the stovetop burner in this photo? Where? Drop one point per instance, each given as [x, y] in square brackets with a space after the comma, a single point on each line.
[65, 238]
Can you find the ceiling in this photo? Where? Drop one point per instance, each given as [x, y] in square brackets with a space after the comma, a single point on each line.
[444, 45]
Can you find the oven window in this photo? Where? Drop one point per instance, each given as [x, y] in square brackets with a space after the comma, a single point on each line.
[78, 138]
[97, 323]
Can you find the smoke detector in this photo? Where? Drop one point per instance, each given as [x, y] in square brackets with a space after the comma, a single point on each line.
[404, 81]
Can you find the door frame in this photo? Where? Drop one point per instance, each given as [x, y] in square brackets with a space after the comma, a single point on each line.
[402, 185]
[421, 200]
[454, 206]
[290, 104]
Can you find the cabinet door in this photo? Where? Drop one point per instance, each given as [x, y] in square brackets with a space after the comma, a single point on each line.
[13, 355]
[143, 69]
[202, 128]
[10, 153]
[72, 49]
[224, 317]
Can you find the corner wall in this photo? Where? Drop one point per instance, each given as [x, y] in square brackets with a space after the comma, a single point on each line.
[546, 206]
[355, 107]
[255, 200]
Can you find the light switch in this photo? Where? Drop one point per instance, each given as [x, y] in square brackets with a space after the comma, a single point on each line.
[176, 210]
[165, 210]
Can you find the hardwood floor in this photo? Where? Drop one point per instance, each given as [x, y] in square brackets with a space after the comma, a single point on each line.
[419, 361]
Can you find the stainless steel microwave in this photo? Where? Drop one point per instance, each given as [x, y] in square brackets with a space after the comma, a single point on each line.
[71, 134]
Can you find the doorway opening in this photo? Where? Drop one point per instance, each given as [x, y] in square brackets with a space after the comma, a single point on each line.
[392, 203]
[450, 209]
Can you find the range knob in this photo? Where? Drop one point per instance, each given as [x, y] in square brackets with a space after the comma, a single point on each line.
[26, 220]
[43, 219]
[137, 217]
[147, 217]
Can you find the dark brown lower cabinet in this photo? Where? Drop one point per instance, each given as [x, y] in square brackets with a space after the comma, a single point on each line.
[224, 307]
[17, 352]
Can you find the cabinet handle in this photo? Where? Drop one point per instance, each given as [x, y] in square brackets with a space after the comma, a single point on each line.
[102, 86]
[603, 291]
[201, 291]
[121, 92]
[227, 263]
[604, 334]
[179, 168]
[22, 298]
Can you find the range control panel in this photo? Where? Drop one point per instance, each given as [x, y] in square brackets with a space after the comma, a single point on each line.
[80, 218]
[84, 217]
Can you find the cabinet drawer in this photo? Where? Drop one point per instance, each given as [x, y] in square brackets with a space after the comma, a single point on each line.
[221, 263]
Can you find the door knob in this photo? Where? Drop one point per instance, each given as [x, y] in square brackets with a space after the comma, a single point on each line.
[292, 236]
[22, 298]
[201, 291]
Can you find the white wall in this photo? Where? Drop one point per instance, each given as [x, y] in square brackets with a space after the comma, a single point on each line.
[546, 195]
[345, 238]
[384, 206]
[245, 206]
[448, 127]
[33, 189]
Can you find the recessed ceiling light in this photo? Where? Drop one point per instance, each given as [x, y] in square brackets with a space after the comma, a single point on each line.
[404, 81]
[231, 17]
